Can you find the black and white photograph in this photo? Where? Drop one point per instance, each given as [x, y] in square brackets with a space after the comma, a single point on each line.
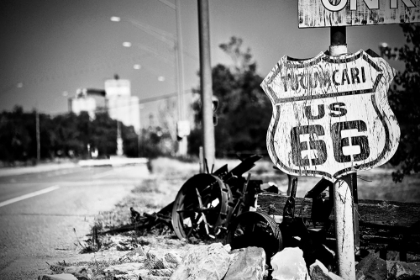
[210, 139]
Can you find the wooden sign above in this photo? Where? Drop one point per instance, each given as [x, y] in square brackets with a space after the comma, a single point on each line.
[331, 114]
[326, 13]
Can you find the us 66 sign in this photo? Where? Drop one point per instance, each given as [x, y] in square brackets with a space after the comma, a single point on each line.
[330, 114]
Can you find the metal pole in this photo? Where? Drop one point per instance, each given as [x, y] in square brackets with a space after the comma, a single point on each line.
[139, 135]
[343, 211]
[206, 81]
[38, 137]
[353, 185]
[180, 59]
[183, 143]
[342, 192]
[119, 140]
[201, 159]
[338, 40]
[69, 102]
[178, 84]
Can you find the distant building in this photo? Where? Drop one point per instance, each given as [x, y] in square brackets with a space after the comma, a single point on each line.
[121, 105]
[83, 103]
[118, 102]
[125, 109]
[117, 87]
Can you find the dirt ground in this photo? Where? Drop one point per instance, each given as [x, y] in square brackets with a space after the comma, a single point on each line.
[167, 177]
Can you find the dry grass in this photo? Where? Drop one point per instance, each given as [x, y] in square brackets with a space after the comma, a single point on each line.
[149, 196]
[374, 184]
[152, 194]
[168, 176]
[378, 184]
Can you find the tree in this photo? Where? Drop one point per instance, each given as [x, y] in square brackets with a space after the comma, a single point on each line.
[242, 60]
[68, 142]
[244, 111]
[405, 102]
[65, 135]
[15, 137]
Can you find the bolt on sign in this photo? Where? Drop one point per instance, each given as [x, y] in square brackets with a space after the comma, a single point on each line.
[330, 115]
[325, 13]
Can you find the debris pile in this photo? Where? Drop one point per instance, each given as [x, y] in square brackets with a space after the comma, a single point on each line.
[218, 262]
[245, 232]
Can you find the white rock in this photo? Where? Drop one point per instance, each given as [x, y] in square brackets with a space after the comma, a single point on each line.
[172, 260]
[247, 264]
[165, 272]
[203, 262]
[151, 277]
[289, 265]
[63, 276]
[318, 271]
[124, 268]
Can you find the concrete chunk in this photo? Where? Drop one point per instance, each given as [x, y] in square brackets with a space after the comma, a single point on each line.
[289, 265]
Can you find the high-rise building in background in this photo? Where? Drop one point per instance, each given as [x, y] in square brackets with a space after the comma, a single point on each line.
[120, 104]
[82, 103]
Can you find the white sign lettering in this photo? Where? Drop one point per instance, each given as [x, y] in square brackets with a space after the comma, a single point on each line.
[325, 13]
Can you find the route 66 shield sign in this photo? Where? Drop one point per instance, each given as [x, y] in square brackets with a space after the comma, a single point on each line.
[331, 114]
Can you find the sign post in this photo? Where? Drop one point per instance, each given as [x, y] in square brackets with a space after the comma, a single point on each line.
[342, 189]
[343, 210]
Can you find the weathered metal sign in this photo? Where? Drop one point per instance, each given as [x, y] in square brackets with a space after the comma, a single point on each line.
[330, 114]
[325, 13]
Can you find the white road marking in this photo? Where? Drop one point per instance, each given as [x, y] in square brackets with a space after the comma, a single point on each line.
[29, 195]
[104, 174]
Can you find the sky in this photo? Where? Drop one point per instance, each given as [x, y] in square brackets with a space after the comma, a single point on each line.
[51, 48]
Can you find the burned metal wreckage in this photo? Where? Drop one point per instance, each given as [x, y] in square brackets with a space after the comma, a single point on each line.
[225, 206]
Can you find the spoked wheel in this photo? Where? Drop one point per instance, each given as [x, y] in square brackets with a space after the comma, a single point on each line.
[255, 229]
[200, 208]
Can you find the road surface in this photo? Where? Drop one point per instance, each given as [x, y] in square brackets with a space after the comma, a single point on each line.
[39, 212]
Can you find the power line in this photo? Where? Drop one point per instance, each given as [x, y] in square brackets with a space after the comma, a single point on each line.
[169, 4]
[143, 101]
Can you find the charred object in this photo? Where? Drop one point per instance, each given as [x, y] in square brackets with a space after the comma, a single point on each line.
[222, 206]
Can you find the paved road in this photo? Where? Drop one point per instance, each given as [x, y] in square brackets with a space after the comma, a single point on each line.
[39, 211]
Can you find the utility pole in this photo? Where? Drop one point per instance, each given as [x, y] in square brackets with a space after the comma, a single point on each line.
[182, 116]
[206, 81]
[38, 137]
[119, 140]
